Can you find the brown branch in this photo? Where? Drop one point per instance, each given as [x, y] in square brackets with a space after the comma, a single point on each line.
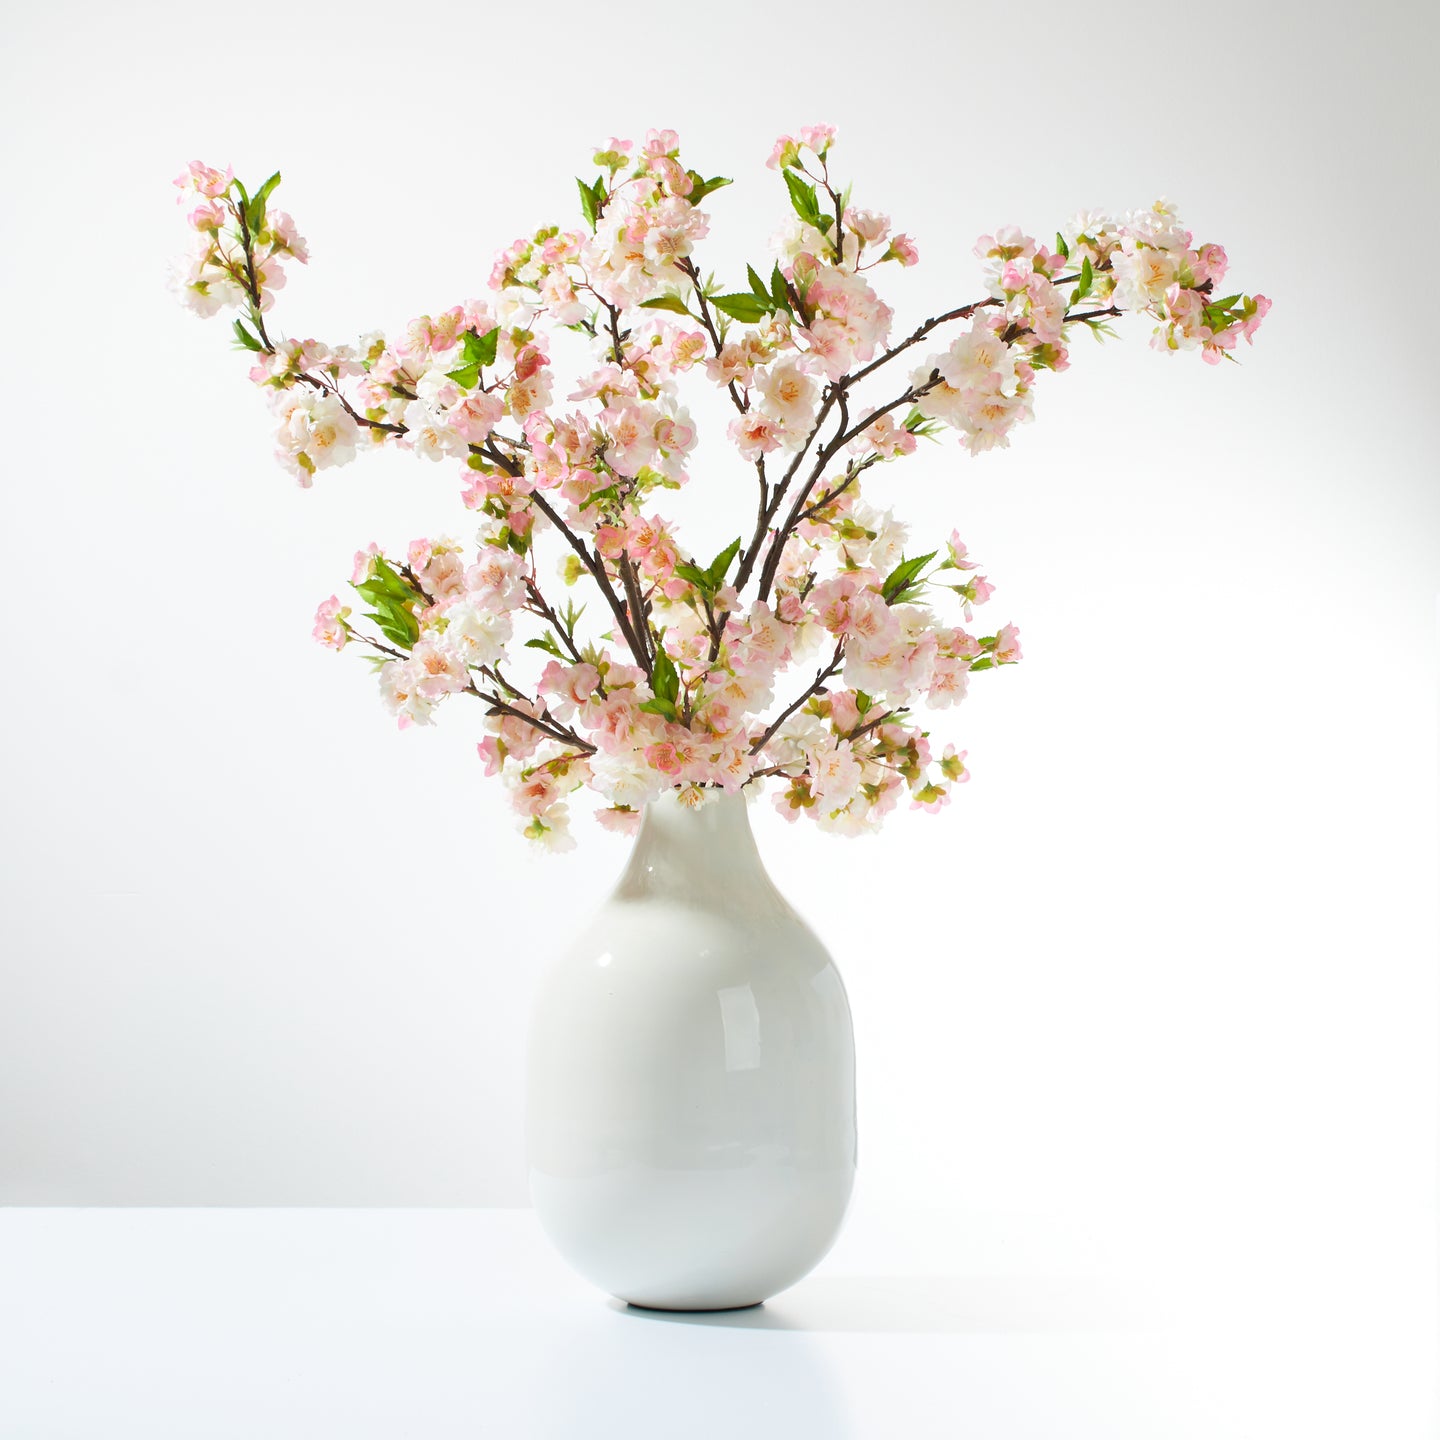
[870, 725]
[540, 606]
[834, 393]
[917, 335]
[769, 505]
[594, 565]
[252, 284]
[686, 267]
[818, 684]
[853, 472]
[822, 459]
[639, 617]
[374, 644]
[325, 387]
[543, 723]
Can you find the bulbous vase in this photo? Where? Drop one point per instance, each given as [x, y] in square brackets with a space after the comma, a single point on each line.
[691, 1105]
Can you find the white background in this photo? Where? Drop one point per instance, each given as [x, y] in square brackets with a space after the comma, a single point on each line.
[1159, 988]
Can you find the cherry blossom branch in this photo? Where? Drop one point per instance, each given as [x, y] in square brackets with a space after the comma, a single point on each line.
[445, 627]
[639, 612]
[543, 723]
[252, 283]
[591, 562]
[833, 394]
[686, 266]
[853, 472]
[816, 686]
[837, 442]
[964, 312]
[327, 388]
[597, 573]
[770, 504]
[538, 605]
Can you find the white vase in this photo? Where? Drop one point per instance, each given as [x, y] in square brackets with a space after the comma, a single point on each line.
[691, 1109]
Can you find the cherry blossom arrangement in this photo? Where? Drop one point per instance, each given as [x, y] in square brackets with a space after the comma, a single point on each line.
[669, 676]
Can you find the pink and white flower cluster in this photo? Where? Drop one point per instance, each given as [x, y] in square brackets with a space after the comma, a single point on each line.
[671, 675]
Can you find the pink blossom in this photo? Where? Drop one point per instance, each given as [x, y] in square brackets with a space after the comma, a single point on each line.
[1250, 326]
[949, 680]
[619, 819]
[204, 180]
[903, 249]
[207, 218]
[1007, 645]
[975, 591]
[610, 541]
[930, 797]
[536, 793]
[886, 438]
[330, 627]
[958, 552]
[364, 564]
[664, 757]
[756, 433]
[783, 154]
[1214, 263]
[871, 226]
[817, 137]
[438, 670]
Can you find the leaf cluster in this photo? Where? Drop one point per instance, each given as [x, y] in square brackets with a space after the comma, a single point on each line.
[393, 601]
[477, 352]
[666, 684]
[903, 583]
[709, 580]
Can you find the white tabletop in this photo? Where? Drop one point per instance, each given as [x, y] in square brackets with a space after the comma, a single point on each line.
[353, 1324]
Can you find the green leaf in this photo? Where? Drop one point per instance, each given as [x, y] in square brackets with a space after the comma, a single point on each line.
[805, 202]
[701, 188]
[1061, 248]
[657, 706]
[779, 293]
[589, 204]
[255, 207]
[386, 589]
[1087, 280]
[246, 338]
[666, 680]
[745, 308]
[699, 578]
[757, 284]
[394, 583]
[720, 565]
[673, 303]
[396, 624]
[466, 375]
[903, 575]
[984, 663]
[546, 642]
[480, 349]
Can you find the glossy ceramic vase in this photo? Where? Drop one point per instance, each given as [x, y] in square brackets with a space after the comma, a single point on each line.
[691, 1108]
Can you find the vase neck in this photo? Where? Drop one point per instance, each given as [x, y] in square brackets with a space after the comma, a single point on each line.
[699, 856]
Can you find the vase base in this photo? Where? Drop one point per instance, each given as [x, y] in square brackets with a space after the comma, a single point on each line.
[692, 1309]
